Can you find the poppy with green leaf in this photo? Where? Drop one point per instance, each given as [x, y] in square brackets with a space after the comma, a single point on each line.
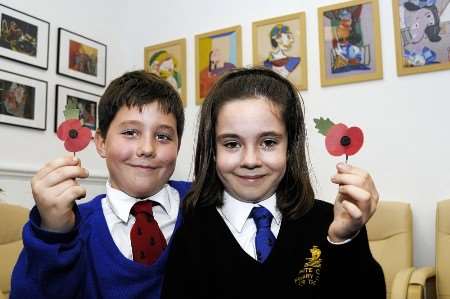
[71, 131]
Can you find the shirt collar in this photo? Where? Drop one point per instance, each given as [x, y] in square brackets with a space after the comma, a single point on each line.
[237, 212]
[121, 203]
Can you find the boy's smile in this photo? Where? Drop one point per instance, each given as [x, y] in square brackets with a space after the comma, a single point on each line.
[140, 149]
[251, 146]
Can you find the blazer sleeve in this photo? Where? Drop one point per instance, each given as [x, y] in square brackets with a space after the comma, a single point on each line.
[50, 264]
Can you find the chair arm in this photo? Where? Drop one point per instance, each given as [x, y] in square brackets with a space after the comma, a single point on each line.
[399, 288]
[422, 284]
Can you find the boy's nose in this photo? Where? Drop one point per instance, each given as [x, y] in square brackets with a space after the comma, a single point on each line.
[146, 148]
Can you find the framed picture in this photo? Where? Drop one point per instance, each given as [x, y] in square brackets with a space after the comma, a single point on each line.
[24, 38]
[168, 60]
[422, 37]
[81, 58]
[86, 102]
[280, 44]
[350, 44]
[216, 53]
[23, 101]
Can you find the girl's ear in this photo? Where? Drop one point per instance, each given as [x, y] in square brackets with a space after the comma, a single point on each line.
[100, 144]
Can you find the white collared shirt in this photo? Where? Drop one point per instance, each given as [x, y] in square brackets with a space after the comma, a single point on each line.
[236, 215]
[117, 207]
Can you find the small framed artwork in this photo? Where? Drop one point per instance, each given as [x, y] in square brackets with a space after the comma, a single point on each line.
[23, 101]
[350, 44]
[280, 44]
[168, 60]
[86, 102]
[24, 38]
[422, 35]
[81, 58]
[216, 53]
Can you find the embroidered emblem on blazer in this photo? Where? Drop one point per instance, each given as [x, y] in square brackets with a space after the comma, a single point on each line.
[310, 274]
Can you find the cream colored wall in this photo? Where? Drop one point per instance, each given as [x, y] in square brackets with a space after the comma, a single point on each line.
[405, 119]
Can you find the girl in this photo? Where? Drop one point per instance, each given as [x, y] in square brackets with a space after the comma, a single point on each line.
[253, 228]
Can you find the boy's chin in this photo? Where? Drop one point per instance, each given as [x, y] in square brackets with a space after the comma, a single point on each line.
[142, 194]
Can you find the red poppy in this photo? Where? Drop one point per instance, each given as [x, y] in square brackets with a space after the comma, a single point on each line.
[75, 136]
[341, 140]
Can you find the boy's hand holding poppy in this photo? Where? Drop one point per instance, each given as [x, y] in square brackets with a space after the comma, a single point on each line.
[55, 189]
[355, 203]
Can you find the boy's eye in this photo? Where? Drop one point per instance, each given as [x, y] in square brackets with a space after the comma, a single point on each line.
[130, 132]
[231, 144]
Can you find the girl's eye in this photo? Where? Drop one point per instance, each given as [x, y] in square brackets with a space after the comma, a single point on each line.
[130, 132]
[269, 143]
[231, 144]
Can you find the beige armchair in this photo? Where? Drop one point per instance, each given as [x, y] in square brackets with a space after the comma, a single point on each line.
[429, 282]
[12, 219]
[391, 243]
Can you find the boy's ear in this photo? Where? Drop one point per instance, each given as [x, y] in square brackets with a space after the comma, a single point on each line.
[100, 144]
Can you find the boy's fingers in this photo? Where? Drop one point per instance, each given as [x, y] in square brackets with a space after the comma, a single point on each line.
[73, 193]
[64, 173]
[63, 186]
[57, 163]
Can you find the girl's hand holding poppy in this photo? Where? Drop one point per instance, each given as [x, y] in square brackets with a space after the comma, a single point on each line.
[55, 190]
[355, 203]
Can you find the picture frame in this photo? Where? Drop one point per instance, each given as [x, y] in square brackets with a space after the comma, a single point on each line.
[216, 52]
[81, 58]
[168, 60]
[421, 46]
[350, 43]
[87, 103]
[279, 43]
[23, 37]
[23, 101]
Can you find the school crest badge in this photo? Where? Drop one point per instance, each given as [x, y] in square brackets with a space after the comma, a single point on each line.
[309, 275]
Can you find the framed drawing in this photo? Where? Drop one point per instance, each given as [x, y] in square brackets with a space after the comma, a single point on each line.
[280, 44]
[86, 102]
[422, 37]
[216, 52]
[24, 38]
[350, 44]
[81, 58]
[168, 60]
[23, 101]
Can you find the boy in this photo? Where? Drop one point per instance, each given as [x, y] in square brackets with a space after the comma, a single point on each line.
[110, 247]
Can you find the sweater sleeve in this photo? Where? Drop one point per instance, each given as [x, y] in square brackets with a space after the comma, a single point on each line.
[50, 265]
[353, 269]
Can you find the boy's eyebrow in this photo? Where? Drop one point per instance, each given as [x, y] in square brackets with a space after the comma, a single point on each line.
[139, 123]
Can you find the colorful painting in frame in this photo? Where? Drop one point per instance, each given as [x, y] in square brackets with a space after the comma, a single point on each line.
[280, 44]
[23, 101]
[86, 102]
[168, 60]
[422, 35]
[350, 44]
[216, 53]
[81, 58]
[24, 38]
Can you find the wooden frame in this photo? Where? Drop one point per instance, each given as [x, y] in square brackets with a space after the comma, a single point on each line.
[81, 58]
[86, 101]
[216, 52]
[420, 46]
[23, 101]
[24, 38]
[168, 60]
[280, 44]
[350, 43]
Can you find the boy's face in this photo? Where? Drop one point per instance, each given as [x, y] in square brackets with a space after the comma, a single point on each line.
[251, 146]
[140, 149]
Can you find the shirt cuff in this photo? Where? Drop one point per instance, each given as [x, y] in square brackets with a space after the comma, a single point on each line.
[343, 242]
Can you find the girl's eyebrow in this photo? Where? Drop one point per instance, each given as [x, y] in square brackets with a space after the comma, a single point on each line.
[264, 134]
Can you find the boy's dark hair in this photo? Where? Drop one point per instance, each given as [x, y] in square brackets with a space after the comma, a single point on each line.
[136, 89]
[295, 195]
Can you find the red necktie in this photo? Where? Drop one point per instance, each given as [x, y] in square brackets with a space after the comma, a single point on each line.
[147, 240]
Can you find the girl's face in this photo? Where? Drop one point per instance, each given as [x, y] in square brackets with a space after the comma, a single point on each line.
[251, 147]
